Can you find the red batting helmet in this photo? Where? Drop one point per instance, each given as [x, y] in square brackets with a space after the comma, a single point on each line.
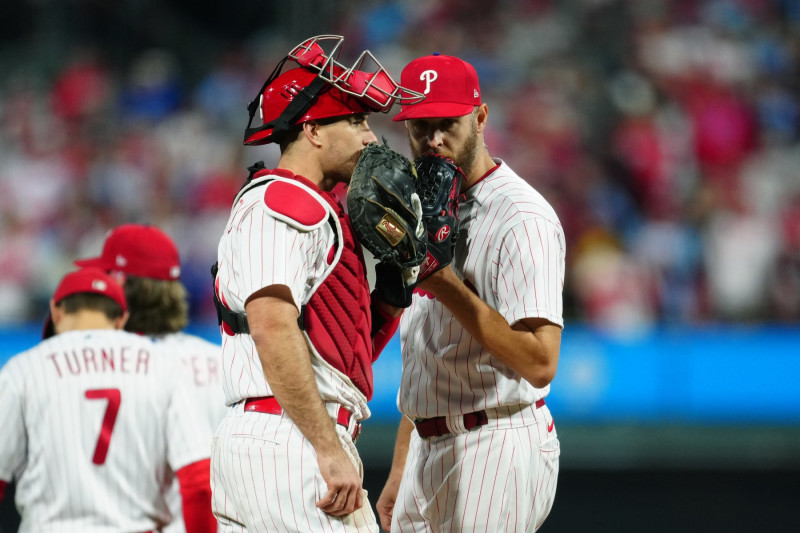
[321, 88]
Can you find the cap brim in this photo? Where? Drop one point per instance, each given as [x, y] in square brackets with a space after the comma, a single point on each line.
[433, 110]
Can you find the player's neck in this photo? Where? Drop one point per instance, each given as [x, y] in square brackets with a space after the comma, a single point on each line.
[483, 164]
[306, 167]
[84, 319]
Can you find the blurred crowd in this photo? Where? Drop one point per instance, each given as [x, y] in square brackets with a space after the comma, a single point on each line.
[665, 133]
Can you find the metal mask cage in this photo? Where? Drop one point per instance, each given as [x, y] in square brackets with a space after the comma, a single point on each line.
[374, 87]
[366, 80]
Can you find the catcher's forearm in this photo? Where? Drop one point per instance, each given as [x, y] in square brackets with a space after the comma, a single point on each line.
[519, 348]
[287, 368]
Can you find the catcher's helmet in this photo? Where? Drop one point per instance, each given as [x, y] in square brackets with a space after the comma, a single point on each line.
[321, 88]
[293, 86]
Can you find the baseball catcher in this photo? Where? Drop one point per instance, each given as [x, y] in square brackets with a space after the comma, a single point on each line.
[300, 322]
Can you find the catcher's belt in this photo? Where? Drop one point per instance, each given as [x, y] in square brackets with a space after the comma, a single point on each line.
[269, 405]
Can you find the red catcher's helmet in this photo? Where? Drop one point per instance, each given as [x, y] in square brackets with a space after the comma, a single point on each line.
[286, 88]
[321, 88]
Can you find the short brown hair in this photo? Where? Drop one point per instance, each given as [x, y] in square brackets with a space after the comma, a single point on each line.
[92, 301]
[156, 307]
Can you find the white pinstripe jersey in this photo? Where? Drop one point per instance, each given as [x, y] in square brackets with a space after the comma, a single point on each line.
[511, 252]
[202, 361]
[93, 421]
[259, 249]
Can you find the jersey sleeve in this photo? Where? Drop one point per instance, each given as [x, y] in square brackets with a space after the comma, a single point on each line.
[14, 443]
[530, 272]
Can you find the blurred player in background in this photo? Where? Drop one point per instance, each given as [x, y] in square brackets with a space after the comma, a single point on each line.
[146, 262]
[94, 422]
[300, 329]
[477, 448]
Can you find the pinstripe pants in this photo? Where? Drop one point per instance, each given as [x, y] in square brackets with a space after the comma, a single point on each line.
[499, 477]
[265, 478]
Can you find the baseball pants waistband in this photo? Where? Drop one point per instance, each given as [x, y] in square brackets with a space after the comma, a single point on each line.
[269, 405]
[437, 426]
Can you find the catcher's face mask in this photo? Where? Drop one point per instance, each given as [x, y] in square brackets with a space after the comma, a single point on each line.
[321, 88]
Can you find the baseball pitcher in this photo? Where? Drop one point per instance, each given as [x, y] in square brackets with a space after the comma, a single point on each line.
[477, 448]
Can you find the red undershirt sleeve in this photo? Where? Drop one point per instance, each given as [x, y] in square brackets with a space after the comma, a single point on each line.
[384, 327]
[195, 485]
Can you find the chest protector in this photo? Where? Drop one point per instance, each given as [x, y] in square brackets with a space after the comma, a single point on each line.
[337, 317]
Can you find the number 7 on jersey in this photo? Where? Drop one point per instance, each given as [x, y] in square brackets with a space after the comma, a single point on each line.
[114, 398]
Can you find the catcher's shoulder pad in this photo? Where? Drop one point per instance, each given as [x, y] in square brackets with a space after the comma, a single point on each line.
[295, 204]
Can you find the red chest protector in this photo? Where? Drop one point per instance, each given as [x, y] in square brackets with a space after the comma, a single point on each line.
[337, 317]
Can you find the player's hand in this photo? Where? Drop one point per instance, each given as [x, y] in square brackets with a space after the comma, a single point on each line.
[385, 504]
[344, 484]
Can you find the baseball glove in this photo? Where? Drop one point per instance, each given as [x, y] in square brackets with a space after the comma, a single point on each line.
[386, 215]
[438, 185]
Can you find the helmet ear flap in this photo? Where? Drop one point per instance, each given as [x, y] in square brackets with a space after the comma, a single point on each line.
[251, 134]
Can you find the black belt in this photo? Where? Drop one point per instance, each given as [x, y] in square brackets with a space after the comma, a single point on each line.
[437, 426]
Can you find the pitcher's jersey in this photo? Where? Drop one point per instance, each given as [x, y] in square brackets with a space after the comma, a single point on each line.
[511, 253]
[202, 362]
[93, 423]
[260, 248]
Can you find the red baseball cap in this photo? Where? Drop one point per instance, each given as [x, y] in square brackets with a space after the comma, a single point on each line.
[93, 280]
[450, 86]
[138, 250]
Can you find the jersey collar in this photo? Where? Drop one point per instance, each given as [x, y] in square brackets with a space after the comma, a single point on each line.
[488, 173]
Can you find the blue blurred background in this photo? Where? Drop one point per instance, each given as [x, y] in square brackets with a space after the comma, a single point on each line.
[665, 133]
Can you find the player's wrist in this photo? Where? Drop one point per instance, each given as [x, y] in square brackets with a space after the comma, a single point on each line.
[439, 280]
[328, 445]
